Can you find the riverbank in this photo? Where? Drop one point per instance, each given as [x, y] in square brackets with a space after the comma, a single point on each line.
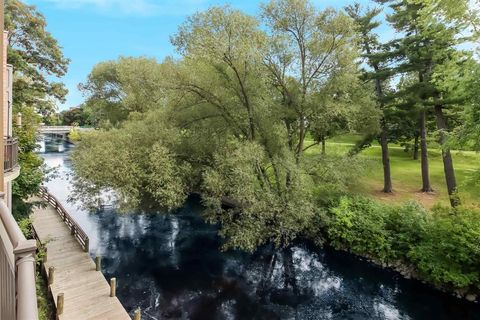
[437, 247]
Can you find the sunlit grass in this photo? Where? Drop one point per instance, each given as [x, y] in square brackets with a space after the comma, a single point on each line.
[406, 174]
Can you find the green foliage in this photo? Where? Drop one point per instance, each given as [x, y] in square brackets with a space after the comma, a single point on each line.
[135, 161]
[74, 135]
[114, 89]
[36, 58]
[26, 227]
[358, 224]
[31, 176]
[406, 225]
[224, 121]
[76, 116]
[468, 134]
[334, 175]
[441, 245]
[450, 252]
[37, 61]
[46, 308]
[263, 213]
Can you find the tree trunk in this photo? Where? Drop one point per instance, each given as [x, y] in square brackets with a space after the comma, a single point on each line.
[324, 151]
[447, 157]
[416, 147]
[301, 139]
[426, 187]
[387, 175]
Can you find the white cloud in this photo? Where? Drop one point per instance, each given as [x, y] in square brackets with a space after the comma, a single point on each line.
[133, 7]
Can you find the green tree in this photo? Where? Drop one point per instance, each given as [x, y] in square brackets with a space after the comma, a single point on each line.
[114, 89]
[379, 74]
[220, 127]
[76, 116]
[37, 59]
[430, 43]
[310, 63]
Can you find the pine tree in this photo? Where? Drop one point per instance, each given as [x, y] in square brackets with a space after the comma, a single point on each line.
[429, 42]
[379, 74]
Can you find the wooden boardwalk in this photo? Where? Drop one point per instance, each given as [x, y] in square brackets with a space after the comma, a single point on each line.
[86, 291]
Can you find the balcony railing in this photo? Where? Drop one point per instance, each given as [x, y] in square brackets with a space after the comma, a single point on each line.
[18, 298]
[11, 154]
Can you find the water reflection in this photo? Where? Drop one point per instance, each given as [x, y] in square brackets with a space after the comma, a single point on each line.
[170, 266]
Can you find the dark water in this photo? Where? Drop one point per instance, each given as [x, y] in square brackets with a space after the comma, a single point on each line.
[171, 267]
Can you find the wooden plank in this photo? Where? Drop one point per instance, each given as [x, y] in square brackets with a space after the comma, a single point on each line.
[86, 291]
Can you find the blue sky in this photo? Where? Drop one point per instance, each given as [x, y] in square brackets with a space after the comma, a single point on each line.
[91, 31]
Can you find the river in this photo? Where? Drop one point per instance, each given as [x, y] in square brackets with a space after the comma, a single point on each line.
[171, 267]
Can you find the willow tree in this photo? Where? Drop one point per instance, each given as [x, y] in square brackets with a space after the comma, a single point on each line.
[222, 78]
[221, 129]
[115, 89]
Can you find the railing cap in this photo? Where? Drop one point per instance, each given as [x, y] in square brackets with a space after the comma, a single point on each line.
[25, 246]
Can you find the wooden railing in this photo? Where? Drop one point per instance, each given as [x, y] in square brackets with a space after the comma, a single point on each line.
[18, 297]
[11, 154]
[74, 227]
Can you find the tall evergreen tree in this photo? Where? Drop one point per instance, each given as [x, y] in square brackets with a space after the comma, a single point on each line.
[429, 41]
[371, 52]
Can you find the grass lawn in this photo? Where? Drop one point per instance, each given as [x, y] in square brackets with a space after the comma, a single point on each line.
[406, 174]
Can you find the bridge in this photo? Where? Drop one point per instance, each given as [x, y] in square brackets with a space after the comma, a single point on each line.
[55, 129]
[79, 289]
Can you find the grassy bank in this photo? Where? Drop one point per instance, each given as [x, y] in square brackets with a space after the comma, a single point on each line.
[406, 173]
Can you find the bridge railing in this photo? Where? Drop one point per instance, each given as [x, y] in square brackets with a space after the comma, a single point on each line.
[18, 297]
[74, 227]
[10, 154]
[55, 129]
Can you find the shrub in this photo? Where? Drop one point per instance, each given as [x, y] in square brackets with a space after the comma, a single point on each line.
[406, 226]
[450, 250]
[443, 245]
[25, 225]
[358, 224]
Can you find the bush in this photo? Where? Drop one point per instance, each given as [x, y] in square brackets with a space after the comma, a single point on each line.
[443, 245]
[450, 250]
[406, 227]
[358, 224]
[25, 225]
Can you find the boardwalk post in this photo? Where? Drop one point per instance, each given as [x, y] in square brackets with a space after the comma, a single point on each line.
[59, 304]
[113, 287]
[51, 271]
[87, 245]
[98, 263]
[137, 315]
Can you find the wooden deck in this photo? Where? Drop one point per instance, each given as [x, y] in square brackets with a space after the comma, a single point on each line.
[86, 291]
